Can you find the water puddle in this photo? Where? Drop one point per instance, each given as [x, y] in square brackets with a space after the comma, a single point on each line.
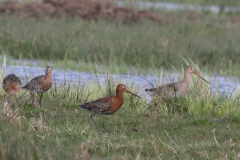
[179, 6]
[223, 84]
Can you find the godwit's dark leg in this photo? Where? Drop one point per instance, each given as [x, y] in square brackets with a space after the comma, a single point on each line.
[33, 99]
[40, 101]
[104, 123]
[93, 120]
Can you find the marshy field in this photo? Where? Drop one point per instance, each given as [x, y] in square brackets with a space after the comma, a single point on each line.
[202, 124]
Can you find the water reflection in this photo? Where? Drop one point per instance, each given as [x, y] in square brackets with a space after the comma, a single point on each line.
[59, 77]
[178, 6]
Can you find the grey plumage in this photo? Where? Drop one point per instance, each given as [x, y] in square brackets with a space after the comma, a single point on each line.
[178, 88]
[35, 85]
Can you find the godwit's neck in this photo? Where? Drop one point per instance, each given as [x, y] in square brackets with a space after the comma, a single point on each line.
[186, 79]
[48, 76]
[119, 95]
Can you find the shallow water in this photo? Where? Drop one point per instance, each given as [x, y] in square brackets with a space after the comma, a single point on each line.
[178, 6]
[223, 84]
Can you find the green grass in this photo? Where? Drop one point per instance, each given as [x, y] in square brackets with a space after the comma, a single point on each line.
[211, 41]
[164, 128]
[170, 128]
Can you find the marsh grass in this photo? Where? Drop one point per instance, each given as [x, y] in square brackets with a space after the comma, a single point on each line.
[179, 127]
[165, 128]
[210, 40]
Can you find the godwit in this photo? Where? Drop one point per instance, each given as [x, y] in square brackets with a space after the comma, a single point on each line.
[40, 84]
[107, 105]
[11, 84]
[179, 87]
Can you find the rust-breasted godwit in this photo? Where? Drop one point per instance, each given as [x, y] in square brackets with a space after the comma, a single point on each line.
[40, 84]
[11, 84]
[178, 88]
[107, 105]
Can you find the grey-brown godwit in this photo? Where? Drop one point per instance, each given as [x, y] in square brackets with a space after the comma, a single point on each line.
[107, 105]
[11, 84]
[178, 88]
[40, 84]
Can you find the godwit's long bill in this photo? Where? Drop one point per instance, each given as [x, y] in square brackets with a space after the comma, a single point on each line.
[131, 93]
[200, 76]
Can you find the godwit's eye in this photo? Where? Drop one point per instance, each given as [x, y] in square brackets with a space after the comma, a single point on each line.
[191, 68]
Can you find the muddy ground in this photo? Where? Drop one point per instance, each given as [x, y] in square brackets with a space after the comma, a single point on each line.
[85, 9]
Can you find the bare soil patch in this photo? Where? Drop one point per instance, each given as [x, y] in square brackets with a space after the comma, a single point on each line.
[85, 9]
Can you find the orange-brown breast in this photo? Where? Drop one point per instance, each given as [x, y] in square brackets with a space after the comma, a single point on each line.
[47, 83]
[116, 104]
[11, 88]
[11, 84]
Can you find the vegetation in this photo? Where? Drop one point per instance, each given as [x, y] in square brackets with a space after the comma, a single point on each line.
[182, 127]
[200, 125]
[209, 40]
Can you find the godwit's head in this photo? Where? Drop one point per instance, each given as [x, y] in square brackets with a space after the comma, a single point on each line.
[123, 88]
[48, 70]
[190, 70]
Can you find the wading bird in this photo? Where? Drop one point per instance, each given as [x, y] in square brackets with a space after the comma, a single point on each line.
[107, 105]
[11, 84]
[40, 84]
[178, 88]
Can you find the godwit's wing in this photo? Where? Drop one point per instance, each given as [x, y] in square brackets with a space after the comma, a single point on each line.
[170, 88]
[100, 105]
[11, 84]
[11, 79]
[35, 84]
